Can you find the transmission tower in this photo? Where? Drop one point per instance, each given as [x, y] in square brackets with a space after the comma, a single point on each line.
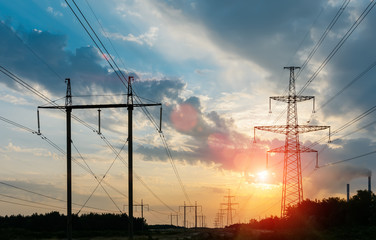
[228, 207]
[292, 188]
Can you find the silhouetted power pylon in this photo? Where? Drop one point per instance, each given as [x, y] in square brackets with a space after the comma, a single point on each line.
[228, 207]
[292, 188]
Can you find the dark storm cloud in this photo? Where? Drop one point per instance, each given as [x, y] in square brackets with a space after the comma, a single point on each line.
[265, 32]
[52, 62]
[269, 33]
[212, 138]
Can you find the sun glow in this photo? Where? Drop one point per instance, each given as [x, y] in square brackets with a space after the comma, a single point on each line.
[263, 176]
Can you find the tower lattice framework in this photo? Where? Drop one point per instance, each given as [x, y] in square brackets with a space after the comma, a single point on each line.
[292, 187]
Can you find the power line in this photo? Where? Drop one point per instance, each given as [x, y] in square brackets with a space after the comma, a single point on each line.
[87, 168]
[104, 47]
[339, 44]
[369, 68]
[105, 34]
[30, 201]
[30, 88]
[349, 123]
[349, 159]
[25, 205]
[323, 36]
[99, 181]
[337, 47]
[46, 196]
[166, 147]
[92, 38]
[145, 110]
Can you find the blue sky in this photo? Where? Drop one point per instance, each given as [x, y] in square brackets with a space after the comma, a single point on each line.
[213, 66]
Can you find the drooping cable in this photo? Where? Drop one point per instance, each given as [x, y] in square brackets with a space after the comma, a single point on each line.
[340, 44]
[86, 168]
[143, 108]
[323, 36]
[92, 38]
[96, 178]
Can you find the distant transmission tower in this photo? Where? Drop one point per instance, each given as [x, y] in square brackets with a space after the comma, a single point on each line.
[228, 207]
[292, 188]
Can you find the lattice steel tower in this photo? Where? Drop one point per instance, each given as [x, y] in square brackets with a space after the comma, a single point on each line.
[292, 188]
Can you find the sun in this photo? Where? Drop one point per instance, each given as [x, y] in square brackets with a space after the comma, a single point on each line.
[263, 176]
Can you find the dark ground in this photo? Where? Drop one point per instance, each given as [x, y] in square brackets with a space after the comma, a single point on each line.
[243, 233]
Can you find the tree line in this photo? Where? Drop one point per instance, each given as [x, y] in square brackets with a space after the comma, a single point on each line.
[56, 222]
[331, 212]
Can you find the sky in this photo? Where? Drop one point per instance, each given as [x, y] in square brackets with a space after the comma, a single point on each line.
[213, 66]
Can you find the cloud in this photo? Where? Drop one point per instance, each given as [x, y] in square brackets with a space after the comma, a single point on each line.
[49, 62]
[208, 132]
[147, 38]
[247, 44]
[14, 100]
[53, 12]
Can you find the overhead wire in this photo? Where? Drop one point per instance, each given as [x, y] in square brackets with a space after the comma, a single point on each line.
[47, 196]
[30, 88]
[336, 48]
[45, 98]
[323, 36]
[358, 77]
[99, 181]
[340, 43]
[105, 34]
[25, 205]
[348, 159]
[86, 168]
[288, 64]
[92, 38]
[167, 149]
[30, 201]
[145, 110]
[317, 45]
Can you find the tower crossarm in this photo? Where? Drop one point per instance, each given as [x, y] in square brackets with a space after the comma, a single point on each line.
[286, 129]
[304, 149]
[280, 149]
[311, 128]
[293, 98]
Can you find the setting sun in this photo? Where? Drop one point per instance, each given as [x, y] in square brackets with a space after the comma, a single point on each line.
[263, 176]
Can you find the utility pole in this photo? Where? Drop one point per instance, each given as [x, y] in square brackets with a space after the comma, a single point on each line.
[292, 187]
[196, 213]
[142, 205]
[185, 212]
[221, 215]
[216, 220]
[202, 220]
[228, 207]
[68, 108]
[177, 218]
